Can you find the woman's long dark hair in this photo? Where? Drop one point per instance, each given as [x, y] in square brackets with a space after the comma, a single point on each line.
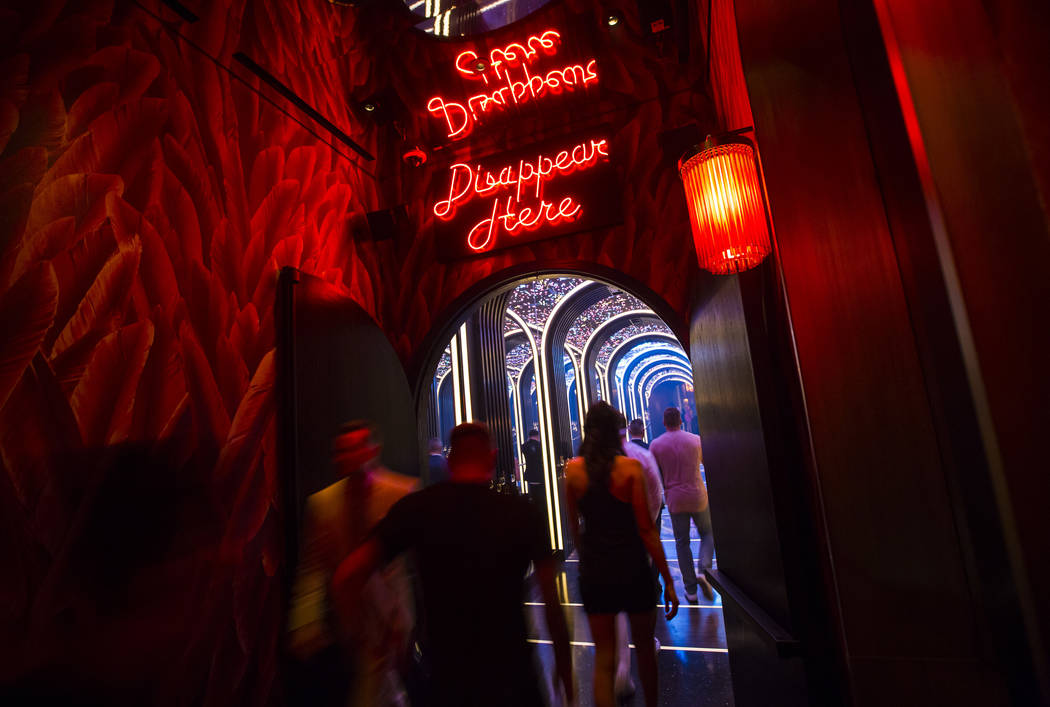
[601, 441]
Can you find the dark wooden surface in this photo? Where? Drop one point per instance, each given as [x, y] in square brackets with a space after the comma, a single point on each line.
[980, 138]
[740, 488]
[898, 558]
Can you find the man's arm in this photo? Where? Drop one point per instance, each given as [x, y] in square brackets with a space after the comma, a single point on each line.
[556, 624]
[350, 577]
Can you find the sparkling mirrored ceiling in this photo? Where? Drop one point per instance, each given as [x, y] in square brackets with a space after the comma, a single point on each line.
[462, 18]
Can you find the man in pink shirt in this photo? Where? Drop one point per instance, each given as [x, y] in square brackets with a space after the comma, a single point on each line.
[679, 455]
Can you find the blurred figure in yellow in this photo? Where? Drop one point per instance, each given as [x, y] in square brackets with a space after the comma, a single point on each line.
[367, 641]
[464, 533]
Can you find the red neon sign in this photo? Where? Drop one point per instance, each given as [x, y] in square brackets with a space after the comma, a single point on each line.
[514, 53]
[510, 66]
[517, 193]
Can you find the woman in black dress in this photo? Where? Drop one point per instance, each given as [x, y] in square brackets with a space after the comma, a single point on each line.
[615, 537]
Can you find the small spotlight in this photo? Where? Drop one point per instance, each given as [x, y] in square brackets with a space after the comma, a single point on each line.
[612, 20]
[369, 107]
[480, 67]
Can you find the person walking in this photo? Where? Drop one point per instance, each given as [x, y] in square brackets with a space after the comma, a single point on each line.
[337, 519]
[680, 457]
[437, 465]
[477, 649]
[606, 490]
[533, 455]
[654, 493]
[636, 431]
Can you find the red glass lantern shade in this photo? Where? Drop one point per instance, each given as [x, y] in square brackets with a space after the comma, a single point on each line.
[726, 206]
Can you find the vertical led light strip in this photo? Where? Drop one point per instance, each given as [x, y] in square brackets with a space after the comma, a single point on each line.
[545, 432]
[437, 395]
[547, 438]
[520, 439]
[603, 382]
[580, 395]
[622, 316]
[553, 502]
[455, 381]
[466, 371]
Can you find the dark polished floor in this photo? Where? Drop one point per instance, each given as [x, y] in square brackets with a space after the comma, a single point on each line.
[693, 661]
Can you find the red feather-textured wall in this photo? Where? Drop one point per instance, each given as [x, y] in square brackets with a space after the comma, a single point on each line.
[150, 190]
[149, 199]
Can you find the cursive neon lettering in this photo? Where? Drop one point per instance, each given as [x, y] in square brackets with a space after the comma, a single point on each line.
[510, 65]
[445, 208]
[458, 123]
[508, 185]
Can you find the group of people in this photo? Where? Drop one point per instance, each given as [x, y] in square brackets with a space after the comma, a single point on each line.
[448, 627]
[615, 492]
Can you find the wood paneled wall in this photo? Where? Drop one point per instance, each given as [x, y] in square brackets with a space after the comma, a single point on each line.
[868, 306]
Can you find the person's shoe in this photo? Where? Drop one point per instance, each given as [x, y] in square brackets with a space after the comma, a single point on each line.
[707, 589]
[691, 598]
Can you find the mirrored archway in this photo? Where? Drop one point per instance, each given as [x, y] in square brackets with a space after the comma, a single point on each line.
[563, 343]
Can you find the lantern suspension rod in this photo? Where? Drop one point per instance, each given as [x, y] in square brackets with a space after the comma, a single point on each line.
[731, 133]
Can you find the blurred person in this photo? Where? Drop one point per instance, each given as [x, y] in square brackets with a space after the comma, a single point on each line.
[437, 465]
[687, 416]
[475, 644]
[363, 644]
[637, 434]
[607, 490]
[654, 493]
[680, 457]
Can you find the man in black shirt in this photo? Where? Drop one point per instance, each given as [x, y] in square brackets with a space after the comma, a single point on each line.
[437, 465]
[466, 537]
[533, 454]
[637, 433]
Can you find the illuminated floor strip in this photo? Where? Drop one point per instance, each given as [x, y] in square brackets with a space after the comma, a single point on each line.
[691, 649]
[660, 606]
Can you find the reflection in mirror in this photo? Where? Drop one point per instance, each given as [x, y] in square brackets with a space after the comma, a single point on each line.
[462, 18]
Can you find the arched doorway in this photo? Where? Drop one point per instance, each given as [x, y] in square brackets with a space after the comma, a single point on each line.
[553, 344]
[558, 334]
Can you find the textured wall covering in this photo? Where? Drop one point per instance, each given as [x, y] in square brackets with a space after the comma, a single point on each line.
[150, 190]
[149, 199]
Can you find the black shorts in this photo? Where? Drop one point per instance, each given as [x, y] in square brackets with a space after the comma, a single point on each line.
[634, 594]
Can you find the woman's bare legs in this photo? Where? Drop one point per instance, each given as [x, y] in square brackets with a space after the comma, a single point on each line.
[622, 682]
[603, 632]
[642, 627]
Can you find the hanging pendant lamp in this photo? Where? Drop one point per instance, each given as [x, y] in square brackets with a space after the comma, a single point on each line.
[726, 205]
